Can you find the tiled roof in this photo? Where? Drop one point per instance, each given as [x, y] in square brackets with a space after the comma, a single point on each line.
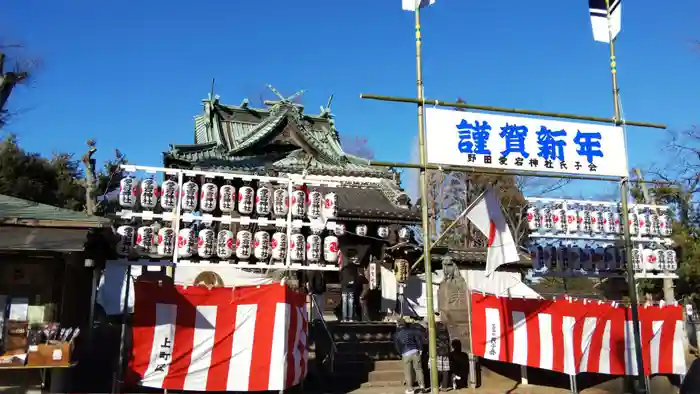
[361, 202]
[16, 209]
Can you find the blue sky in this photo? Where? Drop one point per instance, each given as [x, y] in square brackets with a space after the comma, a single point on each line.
[132, 73]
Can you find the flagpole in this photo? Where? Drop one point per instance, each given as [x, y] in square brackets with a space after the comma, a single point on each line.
[432, 348]
[624, 192]
[447, 229]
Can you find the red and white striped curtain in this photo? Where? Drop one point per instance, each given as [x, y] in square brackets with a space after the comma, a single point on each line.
[222, 339]
[577, 336]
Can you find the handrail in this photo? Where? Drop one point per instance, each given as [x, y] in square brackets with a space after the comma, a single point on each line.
[334, 349]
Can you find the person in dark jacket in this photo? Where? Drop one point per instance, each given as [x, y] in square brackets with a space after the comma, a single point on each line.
[409, 344]
[317, 288]
[348, 282]
[443, 353]
[364, 295]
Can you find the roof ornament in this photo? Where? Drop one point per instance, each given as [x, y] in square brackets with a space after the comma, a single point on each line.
[291, 100]
[326, 112]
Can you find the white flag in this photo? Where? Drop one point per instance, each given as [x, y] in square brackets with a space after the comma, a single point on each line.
[412, 5]
[487, 216]
[599, 19]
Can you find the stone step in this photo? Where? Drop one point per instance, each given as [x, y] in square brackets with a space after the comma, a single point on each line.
[388, 365]
[386, 384]
[385, 376]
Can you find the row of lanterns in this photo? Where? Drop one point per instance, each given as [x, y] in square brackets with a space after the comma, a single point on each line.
[206, 243]
[586, 219]
[263, 201]
[608, 258]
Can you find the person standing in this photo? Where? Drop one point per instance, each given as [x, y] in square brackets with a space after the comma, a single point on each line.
[364, 295]
[316, 283]
[348, 282]
[409, 344]
[443, 353]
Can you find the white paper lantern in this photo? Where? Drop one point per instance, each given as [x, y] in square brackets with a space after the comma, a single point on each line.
[244, 243]
[225, 244]
[313, 248]
[296, 247]
[331, 248]
[586, 259]
[533, 219]
[610, 259]
[671, 260]
[664, 225]
[633, 222]
[278, 244]
[572, 221]
[166, 242]
[644, 224]
[127, 192]
[262, 201]
[550, 257]
[149, 194]
[209, 196]
[205, 243]
[339, 229]
[649, 259]
[546, 223]
[654, 229]
[315, 203]
[361, 230]
[261, 245]
[598, 258]
[637, 259]
[330, 206]
[617, 223]
[245, 200]
[597, 221]
[168, 195]
[298, 204]
[584, 221]
[563, 259]
[127, 236]
[227, 199]
[559, 220]
[280, 202]
[383, 231]
[404, 233]
[145, 240]
[575, 258]
[660, 255]
[536, 257]
[608, 222]
[186, 242]
[545, 255]
[189, 195]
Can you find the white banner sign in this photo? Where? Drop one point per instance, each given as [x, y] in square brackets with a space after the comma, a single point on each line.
[464, 138]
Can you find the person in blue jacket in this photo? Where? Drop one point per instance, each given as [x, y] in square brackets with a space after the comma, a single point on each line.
[409, 344]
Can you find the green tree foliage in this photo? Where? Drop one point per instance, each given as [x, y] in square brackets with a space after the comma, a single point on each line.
[58, 180]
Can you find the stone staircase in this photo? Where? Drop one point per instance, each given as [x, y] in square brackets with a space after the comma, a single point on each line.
[364, 356]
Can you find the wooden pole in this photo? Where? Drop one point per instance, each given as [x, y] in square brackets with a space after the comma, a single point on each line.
[440, 103]
[624, 193]
[432, 337]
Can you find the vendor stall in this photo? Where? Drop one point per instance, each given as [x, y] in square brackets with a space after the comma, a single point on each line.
[46, 262]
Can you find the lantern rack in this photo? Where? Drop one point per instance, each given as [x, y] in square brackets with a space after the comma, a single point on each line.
[603, 238]
[258, 265]
[177, 215]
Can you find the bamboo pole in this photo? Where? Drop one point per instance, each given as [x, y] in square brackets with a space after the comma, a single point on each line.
[464, 213]
[488, 171]
[489, 108]
[432, 336]
[624, 192]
